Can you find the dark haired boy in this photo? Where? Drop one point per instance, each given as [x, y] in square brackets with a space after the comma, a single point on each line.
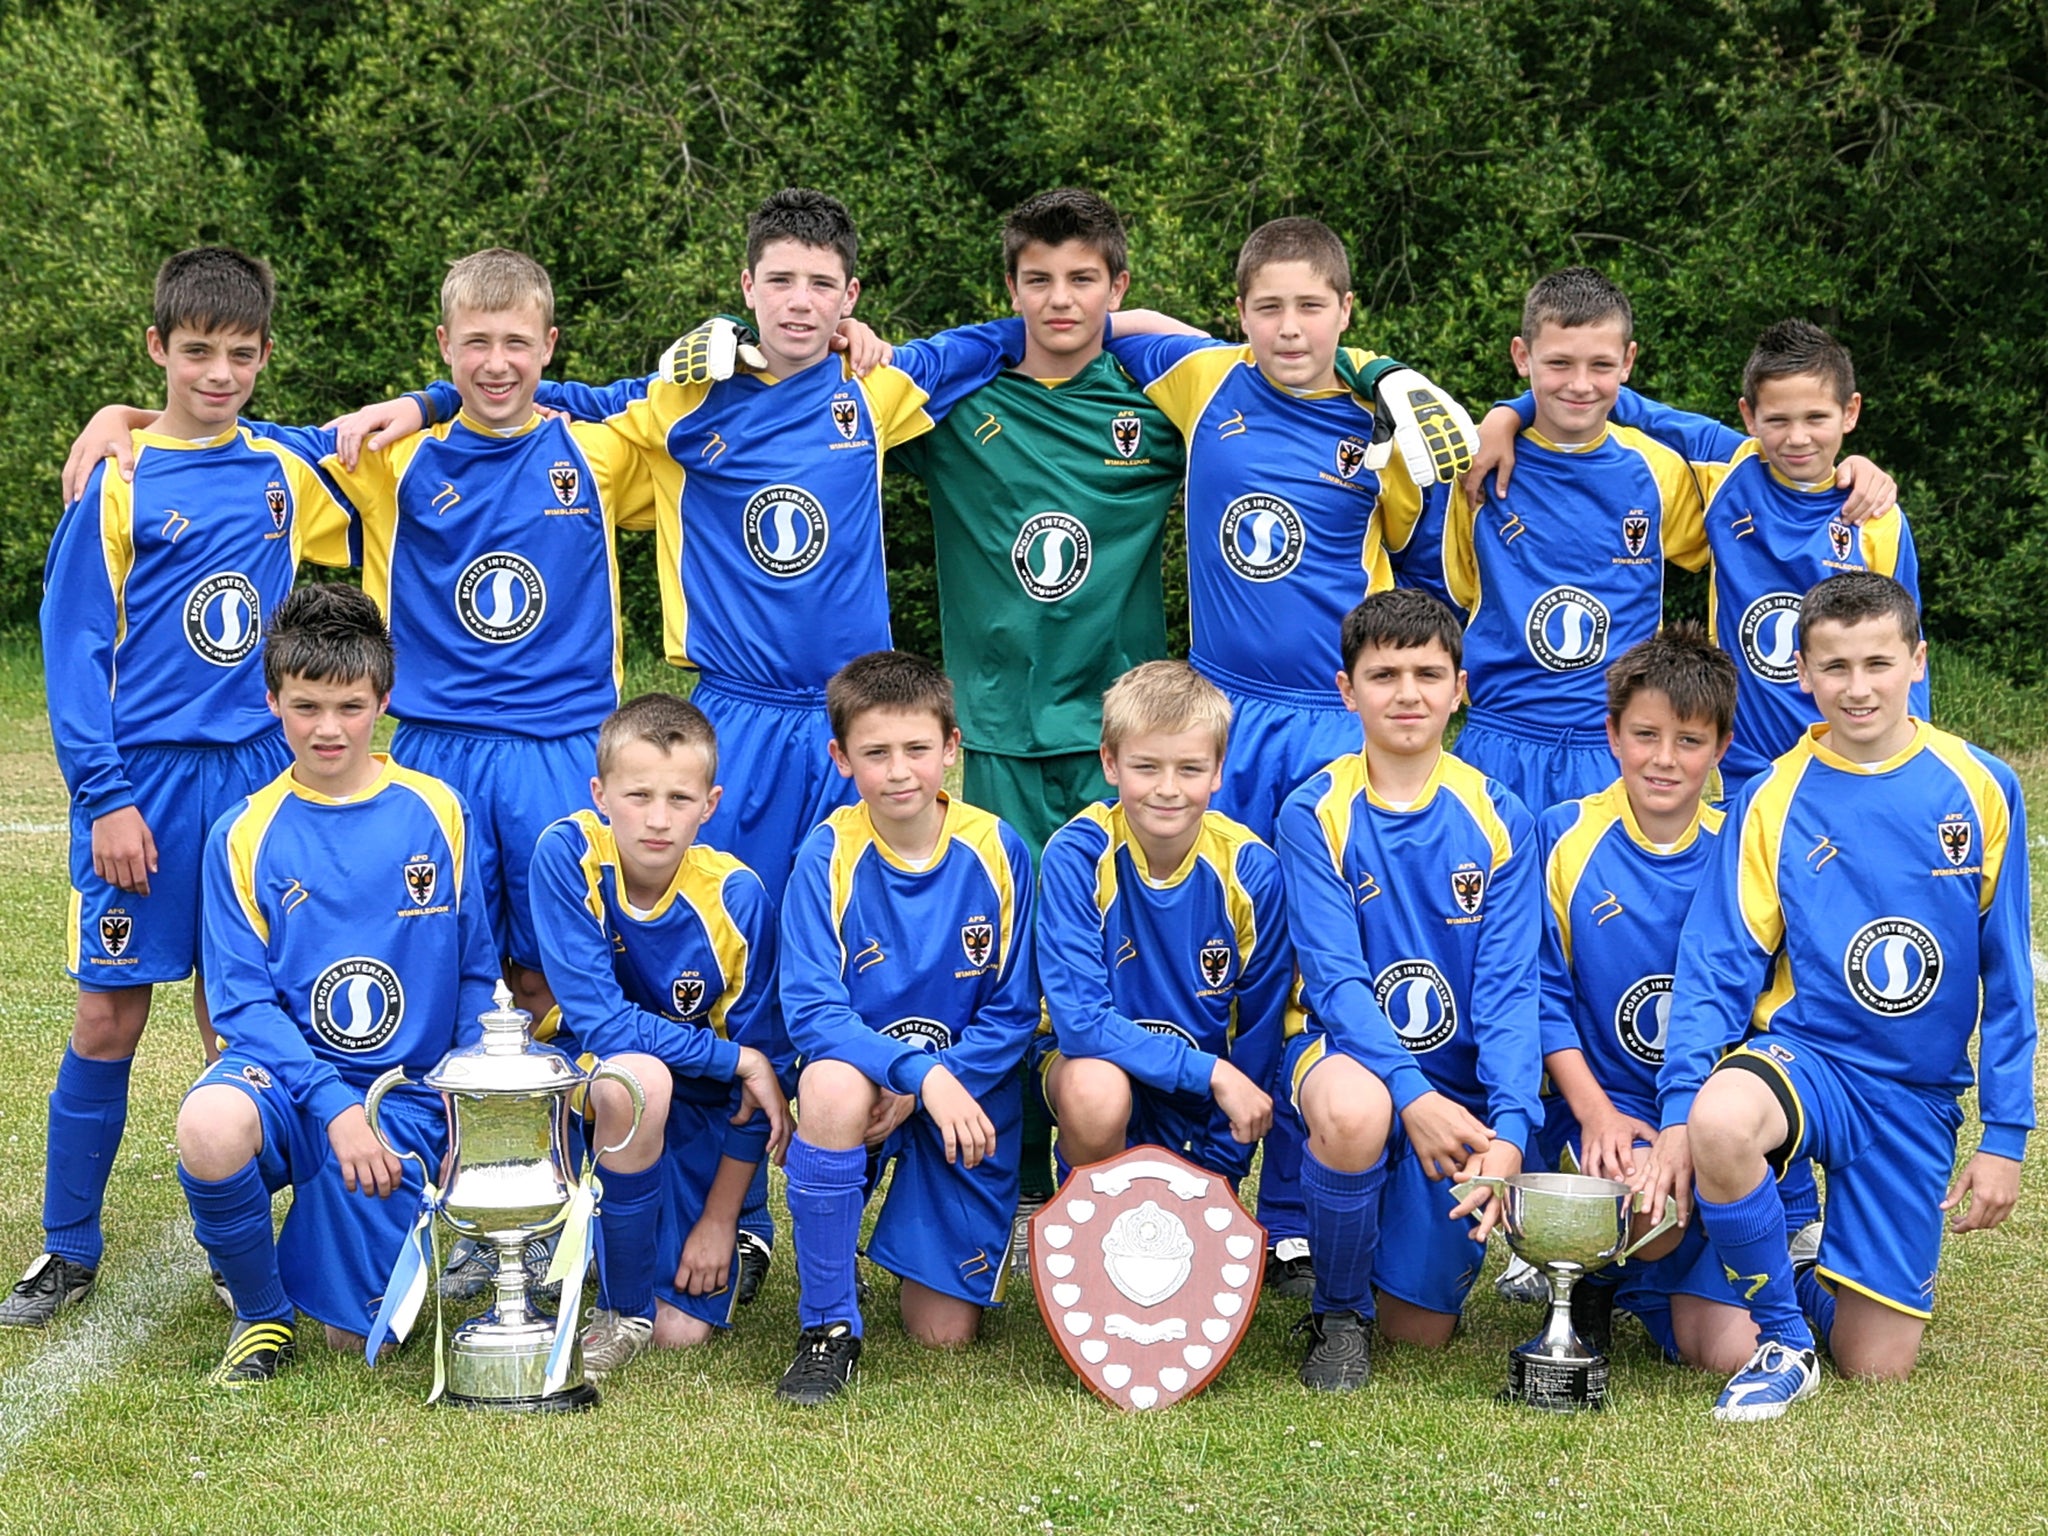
[909, 993]
[1619, 872]
[344, 937]
[664, 954]
[1868, 915]
[1411, 892]
[1782, 511]
[154, 597]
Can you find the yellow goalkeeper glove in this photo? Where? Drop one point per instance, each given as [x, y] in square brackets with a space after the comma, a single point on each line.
[1435, 435]
[711, 351]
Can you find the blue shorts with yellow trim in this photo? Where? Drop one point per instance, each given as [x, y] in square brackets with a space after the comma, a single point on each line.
[1188, 1123]
[1424, 1258]
[778, 777]
[514, 786]
[1278, 740]
[942, 1225]
[336, 1249]
[1544, 767]
[122, 940]
[1889, 1152]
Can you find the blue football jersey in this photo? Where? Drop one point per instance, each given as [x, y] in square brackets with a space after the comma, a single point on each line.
[345, 937]
[1613, 905]
[155, 593]
[1416, 930]
[1875, 914]
[893, 969]
[1162, 977]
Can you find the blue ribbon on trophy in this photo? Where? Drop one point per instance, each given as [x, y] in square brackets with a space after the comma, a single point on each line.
[570, 1264]
[419, 1261]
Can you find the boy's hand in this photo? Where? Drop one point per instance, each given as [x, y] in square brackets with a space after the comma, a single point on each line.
[1496, 455]
[1249, 1106]
[1502, 1160]
[124, 850]
[105, 437]
[1667, 1171]
[365, 1165]
[865, 351]
[706, 1269]
[374, 427]
[1872, 492]
[1444, 1134]
[969, 1133]
[711, 352]
[1607, 1144]
[1430, 427]
[760, 1091]
[1991, 1187]
[890, 1111]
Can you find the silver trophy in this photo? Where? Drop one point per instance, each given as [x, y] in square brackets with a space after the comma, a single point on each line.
[1568, 1226]
[508, 1181]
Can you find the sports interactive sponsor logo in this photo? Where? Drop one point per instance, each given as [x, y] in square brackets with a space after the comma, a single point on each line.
[925, 1034]
[1769, 634]
[1171, 1030]
[1262, 537]
[500, 598]
[224, 618]
[1415, 997]
[357, 1004]
[1892, 966]
[1052, 556]
[785, 530]
[1641, 1018]
[1567, 629]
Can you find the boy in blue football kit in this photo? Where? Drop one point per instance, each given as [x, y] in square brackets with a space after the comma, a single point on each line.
[343, 938]
[1867, 913]
[1162, 943]
[663, 954]
[155, 594]
[1411, 887]
[1620, 869]
[909, 993]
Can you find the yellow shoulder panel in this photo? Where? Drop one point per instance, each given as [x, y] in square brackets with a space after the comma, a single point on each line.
[245, 841]
[1685, 526]
[598, 850]
[1711, 477]
[1993, 814]
[1333, 811]
[703, 877]
[320, 529]
[1881, 537]
[1461, 558]
[1763, 837]
[897, 405]
[1569, 856]
[117, 545]
[1468, 784]
[1183, 392]
[853, 837]
[981, 832]
[445, 805]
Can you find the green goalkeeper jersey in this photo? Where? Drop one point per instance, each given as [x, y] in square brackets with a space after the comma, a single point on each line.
[1049, 505]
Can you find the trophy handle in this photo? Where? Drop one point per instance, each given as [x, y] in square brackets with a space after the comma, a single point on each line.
[631, 1084]
[1664, 1224]
[1498, 1185]
[372, 1100]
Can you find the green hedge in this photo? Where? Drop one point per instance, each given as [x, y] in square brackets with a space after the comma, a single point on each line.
[1875, 167]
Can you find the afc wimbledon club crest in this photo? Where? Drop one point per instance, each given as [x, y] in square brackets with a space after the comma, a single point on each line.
[1468, 888]
[687, 993]
[1350, 457]
[1126, 431]
[979, 940]
[845, 416]
[1954, 833]
[421, 875]
[280, 505]
[1841, 539]
[565, 480]
[1635, 532]
[1147, 1272]
[116, 929]
[1215, 960]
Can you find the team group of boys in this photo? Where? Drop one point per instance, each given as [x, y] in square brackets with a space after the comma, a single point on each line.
[1191, 910]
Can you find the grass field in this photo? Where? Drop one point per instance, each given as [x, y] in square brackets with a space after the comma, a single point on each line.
[106, 1424]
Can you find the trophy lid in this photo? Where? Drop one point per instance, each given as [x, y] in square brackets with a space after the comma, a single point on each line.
[506, 1060]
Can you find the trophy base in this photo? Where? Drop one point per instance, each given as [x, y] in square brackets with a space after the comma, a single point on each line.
[1556, 1385]
[571, 1400]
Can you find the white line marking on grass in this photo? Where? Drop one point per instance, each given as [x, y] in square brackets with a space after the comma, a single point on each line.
[30, 828]
[118, 1320]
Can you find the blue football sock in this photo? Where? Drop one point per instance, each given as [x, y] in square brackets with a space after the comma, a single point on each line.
[1749, 1241]
[1343, 1232]
[88, 1112]
[626, 1254]
[754, 1213]
[1817, 1302]
[826, 1196]
[231, 1219]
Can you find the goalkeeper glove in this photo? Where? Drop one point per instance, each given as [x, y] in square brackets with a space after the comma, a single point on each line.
[1435, 435]
[709, 353]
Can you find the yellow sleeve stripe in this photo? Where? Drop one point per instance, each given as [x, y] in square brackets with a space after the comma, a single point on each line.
[446, 808]
[705, 893]
[377, 507]
[1237, 901]
[1184, 391]
[598, 851]
[117, 548]
[1333, 811]
[1994, 816]
[1881, 537]
[896, 404]
[1461, 558]
[1763, 837]
[1468, 784]
[1597, 815]
[245, 842]
[852, 838]
[1114, 834]
[1712, 477]
[320, 526]
[982, 834]
[1685, 528]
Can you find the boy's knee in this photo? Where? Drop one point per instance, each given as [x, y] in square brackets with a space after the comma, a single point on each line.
[1092, 1099]
[676, 1329]
[108, 1025]
[1734, 1120]
[1403, 1322]
[1348, 1111]
[834, 1101]
[612, 1106]
[219, 1132]
[1871, 1341]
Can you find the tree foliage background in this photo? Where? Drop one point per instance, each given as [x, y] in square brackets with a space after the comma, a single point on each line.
[1877, 167]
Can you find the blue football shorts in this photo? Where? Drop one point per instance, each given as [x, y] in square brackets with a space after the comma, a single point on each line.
[1544, 767]
[778, 778]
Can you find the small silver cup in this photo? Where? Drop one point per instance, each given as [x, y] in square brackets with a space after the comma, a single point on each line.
[1568, 1226]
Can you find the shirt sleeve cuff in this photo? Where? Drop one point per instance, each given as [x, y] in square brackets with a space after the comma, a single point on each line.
[724, 1062]
[1514, 1127]
[2005, 1141]
[747, 1143]
[908, 1072]
[1196, 1069]
[1408, 1084]
[105, 802]
[1676, 1108]
[332, 1098]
